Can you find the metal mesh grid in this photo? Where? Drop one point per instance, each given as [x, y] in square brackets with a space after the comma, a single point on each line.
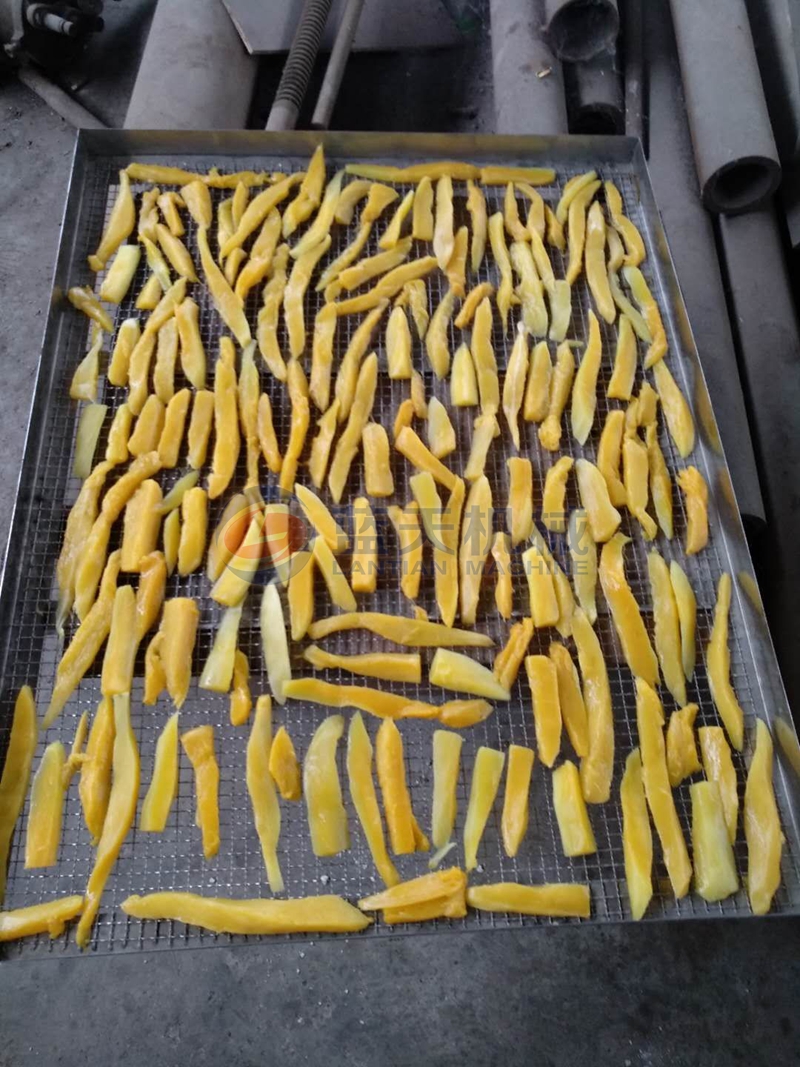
[173, 859]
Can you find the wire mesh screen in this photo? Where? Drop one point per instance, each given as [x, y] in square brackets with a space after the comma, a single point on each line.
[173, 859]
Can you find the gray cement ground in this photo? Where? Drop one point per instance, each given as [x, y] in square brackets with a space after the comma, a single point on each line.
[656, 996]
[672, 995]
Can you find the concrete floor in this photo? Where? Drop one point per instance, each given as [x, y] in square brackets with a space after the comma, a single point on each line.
[35, 152]
[656, 996]
[702, 993]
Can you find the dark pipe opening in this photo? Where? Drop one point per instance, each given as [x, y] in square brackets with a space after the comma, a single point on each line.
[741, 186]
[600, 119]
[582, 29]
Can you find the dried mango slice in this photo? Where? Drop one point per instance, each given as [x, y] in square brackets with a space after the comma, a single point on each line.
[584, 389]
[620, 386]
[414, 632]
[650, 718]
[225, 300]
[505, 291]
[514, 384]
[570, 698]
[398, 344]
[377, 465]
[595, 263]
[347, 376]
[583, 553]
[529, 290]
[695, 491]
[422, 211]
[267, 326]
[293, 296]
[667, 633]
[347, 445]
[470, 305]
[575, 830]
[637, 838]
[436, 338]
[609, 454]
[457, 266]
[509, 659]
[603, 517]
[483, 355]
[571, 190]
[119, 226]
[459, 673]
[718, 767]
[463, 382]
[676, 411]
[633, 636]
[597, 764]
[320, 227]
[554, 516]
[543, 682]
[486, 774]
[715, 876]
[519, 513]
[537, 390]
[405, 835]
[718, 664]
[649, 308]
[388, 666]
[514, 821]
[634, 245]
[660, 481]
[682, 758]
[406, 526]
[476, 533]
[319, 386]
[687, 616]
[327, 818]
[504, 589]
[476, 206]
[576, 229]
[560, 386]
[443, 236]
[445, 554]
[635, 472]
[446, 759]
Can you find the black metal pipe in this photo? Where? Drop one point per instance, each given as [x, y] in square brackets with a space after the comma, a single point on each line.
[595, 102]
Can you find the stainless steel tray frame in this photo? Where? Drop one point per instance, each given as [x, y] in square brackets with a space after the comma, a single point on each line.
[29, 650]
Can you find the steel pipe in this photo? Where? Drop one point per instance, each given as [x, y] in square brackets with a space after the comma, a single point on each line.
[581, 29]
[528, 81]
[195, 73]
[691, 236]
[634, 70]
[737, 161]
[340, 53]
[764, 317]
[594, 96]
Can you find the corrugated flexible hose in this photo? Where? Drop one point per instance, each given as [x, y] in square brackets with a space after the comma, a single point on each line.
[299, 64]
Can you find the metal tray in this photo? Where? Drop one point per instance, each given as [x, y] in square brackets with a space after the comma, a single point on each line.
[29, 649]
